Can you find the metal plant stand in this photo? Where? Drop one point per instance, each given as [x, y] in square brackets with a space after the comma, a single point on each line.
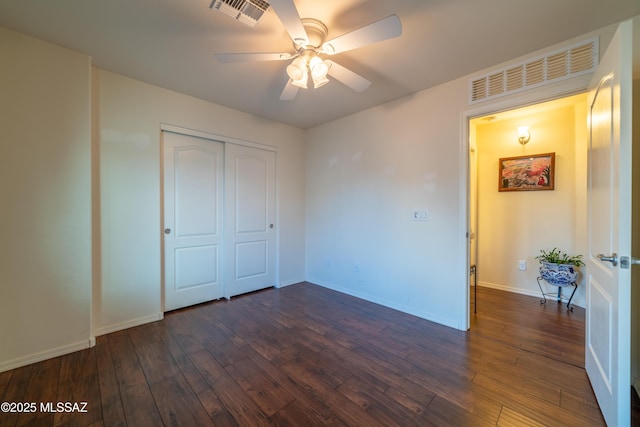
[559, 296]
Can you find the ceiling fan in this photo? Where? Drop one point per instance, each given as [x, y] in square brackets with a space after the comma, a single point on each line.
[310, 44]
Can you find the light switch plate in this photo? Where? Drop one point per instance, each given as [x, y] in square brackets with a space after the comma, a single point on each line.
[420, 215]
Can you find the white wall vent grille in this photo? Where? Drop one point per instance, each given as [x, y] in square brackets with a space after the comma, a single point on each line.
[573, 61]
[248, 12]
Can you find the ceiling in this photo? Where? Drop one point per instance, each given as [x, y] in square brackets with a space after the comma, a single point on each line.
[170, 43]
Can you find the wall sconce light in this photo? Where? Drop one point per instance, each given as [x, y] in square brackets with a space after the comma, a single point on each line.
[523, 135]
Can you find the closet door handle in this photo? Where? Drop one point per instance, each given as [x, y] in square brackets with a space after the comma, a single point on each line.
[167, 231]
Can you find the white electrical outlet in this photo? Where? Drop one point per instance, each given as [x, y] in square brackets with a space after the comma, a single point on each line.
[522, 265]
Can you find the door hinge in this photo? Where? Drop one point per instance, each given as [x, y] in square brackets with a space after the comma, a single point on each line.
[626, 262]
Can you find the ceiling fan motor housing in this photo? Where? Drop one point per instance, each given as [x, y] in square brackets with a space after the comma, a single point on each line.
[316, 32]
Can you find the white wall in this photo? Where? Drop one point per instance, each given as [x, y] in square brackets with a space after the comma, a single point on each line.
[128, 291]
[366, 174]
[45, 183]
[515, 226]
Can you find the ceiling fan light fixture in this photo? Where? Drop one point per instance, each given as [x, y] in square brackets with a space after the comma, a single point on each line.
[297, 69]
[318, 67]
[319, 81]
[309, 37]
[301, 82]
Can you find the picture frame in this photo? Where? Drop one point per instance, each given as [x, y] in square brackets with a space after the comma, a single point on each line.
[527, 173]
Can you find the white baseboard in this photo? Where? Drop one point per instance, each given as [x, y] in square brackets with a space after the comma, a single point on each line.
[409, 310]
[290, 282]
[47, 354]
[510, 289]
[128, 324]
[519, 291]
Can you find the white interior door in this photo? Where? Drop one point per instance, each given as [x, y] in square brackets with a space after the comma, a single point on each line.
[608, 332]
[250, 248]
[193, 190]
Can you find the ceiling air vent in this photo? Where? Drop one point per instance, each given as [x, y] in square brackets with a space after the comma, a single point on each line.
[573, 61]
[248, 12]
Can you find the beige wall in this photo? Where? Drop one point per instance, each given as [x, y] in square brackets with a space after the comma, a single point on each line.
[45, 178]
[514, 226]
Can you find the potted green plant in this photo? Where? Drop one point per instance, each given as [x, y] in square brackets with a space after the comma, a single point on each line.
[559, 268]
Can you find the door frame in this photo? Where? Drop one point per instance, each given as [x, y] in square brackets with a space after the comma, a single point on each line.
[166, 127]
[547, 93]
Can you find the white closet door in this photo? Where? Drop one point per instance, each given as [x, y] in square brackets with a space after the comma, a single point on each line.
[193, 197]
[250, 229]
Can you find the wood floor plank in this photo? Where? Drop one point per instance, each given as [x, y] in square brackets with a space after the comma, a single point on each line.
[78, 390]
[216, 410]
[5, 377]
[143, 335]
[510, 418]
[187, 368]
[523, 380]
[178, 324]
[537, 409]
[307, 355]
[43, 387]
[238, 403]
[137, 401]
[139, 406]
[442, 412]
[178, 404]
[580, 405]
[379, 405]
[112, 411]
[315, 410]
[297, 413]
[14, 392]
[345, 410]
[266, 392]
[125, 361]
[157, 362]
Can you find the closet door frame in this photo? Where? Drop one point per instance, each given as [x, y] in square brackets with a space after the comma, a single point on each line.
[226, 140]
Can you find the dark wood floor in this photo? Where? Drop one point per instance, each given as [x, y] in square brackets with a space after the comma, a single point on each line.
[305, 355]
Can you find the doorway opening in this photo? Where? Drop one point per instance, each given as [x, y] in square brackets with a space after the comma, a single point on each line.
[507, 229]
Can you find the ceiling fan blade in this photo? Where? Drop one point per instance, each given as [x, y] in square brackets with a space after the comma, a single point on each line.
[288, 14]
[251, 57]
[289, 92]
[384, 29]
[348, 77]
